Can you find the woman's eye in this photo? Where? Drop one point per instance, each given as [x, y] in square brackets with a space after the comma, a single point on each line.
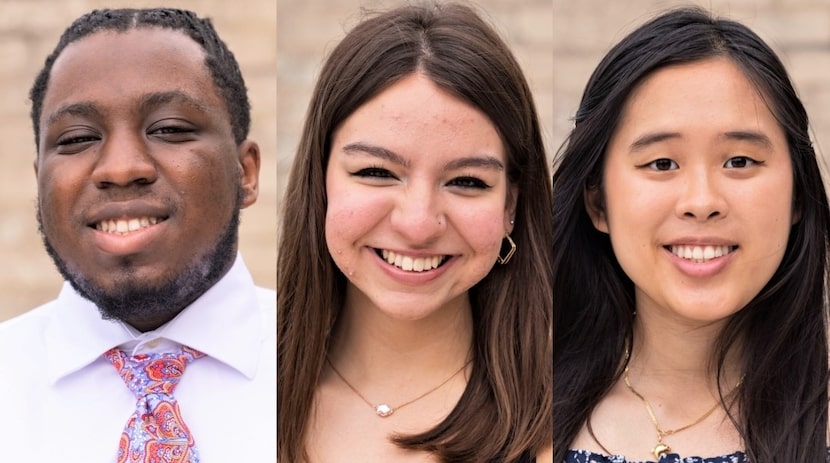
[469, 182]
[739, 162]
[374, 172]
[662, 164]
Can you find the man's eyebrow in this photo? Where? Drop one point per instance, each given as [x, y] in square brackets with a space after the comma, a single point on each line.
[148, 101]
[751, 136]
[154, 100]
[376, 151]
[83, 108]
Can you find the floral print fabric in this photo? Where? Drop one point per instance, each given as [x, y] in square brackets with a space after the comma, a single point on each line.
[155, 433]
[584, 456]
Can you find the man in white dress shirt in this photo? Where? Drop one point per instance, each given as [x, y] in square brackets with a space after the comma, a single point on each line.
[141, 120]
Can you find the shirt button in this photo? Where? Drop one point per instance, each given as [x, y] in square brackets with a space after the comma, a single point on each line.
[153, 344]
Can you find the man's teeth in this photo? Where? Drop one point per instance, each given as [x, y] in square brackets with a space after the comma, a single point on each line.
[412, 264]
[124, 226]
[700, 254]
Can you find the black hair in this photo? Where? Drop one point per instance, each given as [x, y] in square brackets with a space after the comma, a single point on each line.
[219, 60]
[782, 413]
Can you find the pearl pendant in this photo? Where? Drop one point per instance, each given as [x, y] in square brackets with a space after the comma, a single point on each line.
[660, 449]
[383, 410]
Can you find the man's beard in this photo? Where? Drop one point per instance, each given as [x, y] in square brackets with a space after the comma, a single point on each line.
[133, 299]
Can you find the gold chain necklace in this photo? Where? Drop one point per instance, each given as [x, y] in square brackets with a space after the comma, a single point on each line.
[661, 447]
[383, 409]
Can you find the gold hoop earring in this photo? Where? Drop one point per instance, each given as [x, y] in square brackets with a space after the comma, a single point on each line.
[504, 260]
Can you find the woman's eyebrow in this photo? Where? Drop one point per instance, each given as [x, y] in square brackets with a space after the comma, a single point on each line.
[751, 136]
[485, 161]
[652, 138]
[376, 151]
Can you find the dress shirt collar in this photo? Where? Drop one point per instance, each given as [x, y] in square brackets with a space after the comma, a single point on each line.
[225, 323]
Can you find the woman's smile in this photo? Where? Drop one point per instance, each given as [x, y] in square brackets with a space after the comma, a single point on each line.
[409, 263]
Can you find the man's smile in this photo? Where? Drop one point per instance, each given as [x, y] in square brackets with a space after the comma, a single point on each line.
[126, 225]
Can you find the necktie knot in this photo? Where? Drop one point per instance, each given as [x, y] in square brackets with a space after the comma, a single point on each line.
[155, 433]
[156, 373]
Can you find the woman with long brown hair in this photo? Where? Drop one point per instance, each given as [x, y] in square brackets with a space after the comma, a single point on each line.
[414, 289]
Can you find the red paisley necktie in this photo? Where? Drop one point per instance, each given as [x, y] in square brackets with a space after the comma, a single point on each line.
[155, 433]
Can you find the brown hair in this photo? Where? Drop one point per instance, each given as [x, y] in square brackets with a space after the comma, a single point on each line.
[507, 405]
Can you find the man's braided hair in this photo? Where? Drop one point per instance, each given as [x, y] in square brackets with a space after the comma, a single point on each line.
[218, 58]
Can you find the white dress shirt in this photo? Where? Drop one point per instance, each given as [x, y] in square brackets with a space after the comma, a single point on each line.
[62, 401]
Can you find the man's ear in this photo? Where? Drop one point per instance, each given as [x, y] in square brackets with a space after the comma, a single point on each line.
[595, 205]
[248, 152]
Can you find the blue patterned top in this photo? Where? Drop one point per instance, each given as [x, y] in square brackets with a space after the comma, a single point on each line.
[584, 456]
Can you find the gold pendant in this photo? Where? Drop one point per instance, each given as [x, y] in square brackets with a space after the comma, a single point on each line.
[660, 449]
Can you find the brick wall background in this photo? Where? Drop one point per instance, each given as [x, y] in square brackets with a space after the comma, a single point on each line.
[29, 30]
[798, 30]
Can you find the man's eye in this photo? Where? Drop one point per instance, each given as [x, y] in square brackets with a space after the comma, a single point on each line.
[173, 134]
[171, 129]
[74, 140]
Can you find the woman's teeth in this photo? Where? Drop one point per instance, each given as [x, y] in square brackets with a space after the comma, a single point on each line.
[700, 254]
[412, 264]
